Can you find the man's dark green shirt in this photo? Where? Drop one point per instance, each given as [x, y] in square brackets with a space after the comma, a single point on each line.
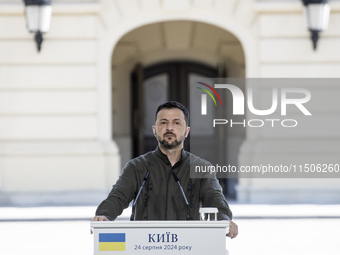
[161, 197]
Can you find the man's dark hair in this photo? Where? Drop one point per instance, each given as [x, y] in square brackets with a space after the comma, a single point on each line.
[174, 104]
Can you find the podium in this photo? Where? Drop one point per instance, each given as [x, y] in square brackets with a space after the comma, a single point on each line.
[160, 237]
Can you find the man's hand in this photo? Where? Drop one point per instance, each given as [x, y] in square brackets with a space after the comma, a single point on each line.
[100, 218]
[233, 230]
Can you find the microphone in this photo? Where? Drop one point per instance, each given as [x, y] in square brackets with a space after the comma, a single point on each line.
[183, 194]
[132, 218]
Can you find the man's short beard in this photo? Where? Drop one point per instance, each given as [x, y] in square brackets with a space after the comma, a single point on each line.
[173, 145]
[176, 143]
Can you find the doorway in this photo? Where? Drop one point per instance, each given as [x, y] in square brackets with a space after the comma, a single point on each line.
[167, 52]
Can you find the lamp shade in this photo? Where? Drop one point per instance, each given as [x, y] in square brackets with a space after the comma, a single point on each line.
[38, 15]
[317, 14]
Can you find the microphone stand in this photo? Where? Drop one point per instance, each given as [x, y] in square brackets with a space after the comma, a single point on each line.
[183, 194]
[132, 218]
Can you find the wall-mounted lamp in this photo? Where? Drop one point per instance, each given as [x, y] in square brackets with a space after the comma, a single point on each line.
[38, 18]
[317, 14]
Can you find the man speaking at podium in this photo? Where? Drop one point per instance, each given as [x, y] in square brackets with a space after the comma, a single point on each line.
[159, 181]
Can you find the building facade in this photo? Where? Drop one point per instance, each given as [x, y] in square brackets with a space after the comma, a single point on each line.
[67, 114]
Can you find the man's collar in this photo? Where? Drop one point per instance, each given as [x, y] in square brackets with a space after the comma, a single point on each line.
[160, 154]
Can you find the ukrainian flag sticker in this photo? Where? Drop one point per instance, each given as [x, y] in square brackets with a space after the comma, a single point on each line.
[111, 241]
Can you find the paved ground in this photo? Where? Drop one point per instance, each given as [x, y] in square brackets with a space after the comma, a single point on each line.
[264, 230]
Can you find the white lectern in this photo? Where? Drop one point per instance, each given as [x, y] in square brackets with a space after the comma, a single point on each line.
[160, 237]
